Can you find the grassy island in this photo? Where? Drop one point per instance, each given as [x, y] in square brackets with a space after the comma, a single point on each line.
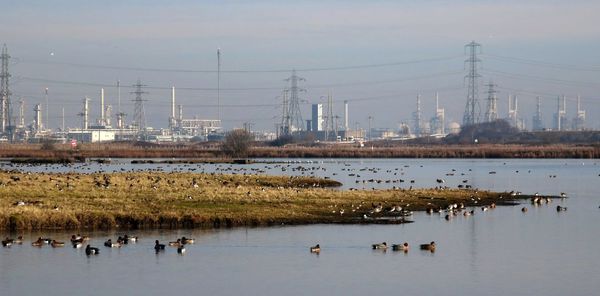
[186, 200]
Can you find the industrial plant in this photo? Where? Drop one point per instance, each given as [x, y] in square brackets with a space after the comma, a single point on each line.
[329, 120]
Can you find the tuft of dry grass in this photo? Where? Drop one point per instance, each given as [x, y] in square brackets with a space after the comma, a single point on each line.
[186, 200]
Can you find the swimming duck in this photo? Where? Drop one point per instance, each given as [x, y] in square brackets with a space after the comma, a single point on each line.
[7, 242]
[38, 243]
[560, 208]
[524, 209]
[158, 246]
[176, 243]
[185, 240]
[181, 249]
[56, 244]
[89, 250]
[132, 239]
[18, 241]
[315, 249]
[402, 247]
[428, 247]
[77, 244]
[381, 246]
[110, 244]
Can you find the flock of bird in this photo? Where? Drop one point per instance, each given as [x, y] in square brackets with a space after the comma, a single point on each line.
[404, 247]
[77, 241]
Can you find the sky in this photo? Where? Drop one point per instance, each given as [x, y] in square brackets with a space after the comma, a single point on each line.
[378, 55]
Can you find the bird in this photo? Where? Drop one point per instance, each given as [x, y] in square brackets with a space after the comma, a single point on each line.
[560, 208]
[89, 250]
[381, 246]
[158, 246]
[185, 240]
[315, 249]
[402, 247]
[428, 247]
[524, 209]
[110, 244]
[181, 249]
[38, 243]
[176, 243]
[7, 242]
[56, 244]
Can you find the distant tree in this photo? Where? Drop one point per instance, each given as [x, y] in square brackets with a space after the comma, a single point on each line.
[237, 143]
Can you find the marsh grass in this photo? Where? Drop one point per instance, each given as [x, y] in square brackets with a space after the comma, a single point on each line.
[187, 200]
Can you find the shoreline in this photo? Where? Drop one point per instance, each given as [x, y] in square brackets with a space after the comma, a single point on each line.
[154, 200]
[211, 152]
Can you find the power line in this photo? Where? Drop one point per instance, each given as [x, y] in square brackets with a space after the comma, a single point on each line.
[540, 63]
[538, 78]
[316, 86]
[338, 68]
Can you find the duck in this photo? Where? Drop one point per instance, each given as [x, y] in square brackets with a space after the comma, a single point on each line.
[18, 241]
[176, 243]
[400, 247]
[38, 243]
[77, 244]
[158, 246]
[56, 244]
[7, 242]
[560, 208]
[181, 249]
[185, 240]
[381, 246]
[524, 209]
[110, 244]
[315, 249]
[428, 247]
[89, 250]
[132, 239]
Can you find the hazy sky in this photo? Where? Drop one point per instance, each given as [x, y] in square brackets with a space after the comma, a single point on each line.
[529, 48]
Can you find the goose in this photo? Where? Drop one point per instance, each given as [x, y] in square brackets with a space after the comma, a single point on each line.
[181, 249]
[56, 244]
[315, 249]
[158, 246]
[402, 247]
[381, 246]
[428, 247]
[89, 250]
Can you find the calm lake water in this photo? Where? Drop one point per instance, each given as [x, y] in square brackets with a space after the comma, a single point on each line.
[498, 252]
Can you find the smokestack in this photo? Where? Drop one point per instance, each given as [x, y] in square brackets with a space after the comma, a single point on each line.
[102, 122]
[38, 117]
[173, 102]
[346, 127]
[85, 113]
[180, 113]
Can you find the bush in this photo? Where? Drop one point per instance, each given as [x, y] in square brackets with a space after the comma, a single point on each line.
[237, 143]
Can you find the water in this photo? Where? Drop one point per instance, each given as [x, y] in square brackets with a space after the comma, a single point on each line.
[498, 252]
